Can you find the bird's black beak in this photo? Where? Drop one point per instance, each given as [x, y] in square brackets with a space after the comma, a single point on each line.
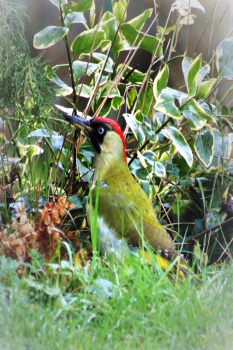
[78, 122]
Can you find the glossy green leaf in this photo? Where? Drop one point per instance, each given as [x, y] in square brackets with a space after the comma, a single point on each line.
[49, 36]
[87, 41]
[140, 20]
[136, 130]
[224, 58]
[147, 42]
[80, 68]
[104, 91]
[116, 102]
[157, 167]
[195, 114]
[86, 91]
[119, 11]
[139, 116]
[100, 57]
[39, 133]
[205, 88]
[147, 128]
[92, 15]
[179, 142]
[180, 96]
[193, 75]
[160, 81]
[131, 98]
[165, 31]
[57, 142]
[166, 105]
[106, 108]
[204, 145]
[64, 90]
[186, 64]
[75, 17]
[202, 73]
[132, 75]
[146, 101]
[81, 6]
[58, 2]
[110, 29]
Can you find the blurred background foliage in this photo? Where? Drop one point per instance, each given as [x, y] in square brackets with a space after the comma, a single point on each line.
[172, 84]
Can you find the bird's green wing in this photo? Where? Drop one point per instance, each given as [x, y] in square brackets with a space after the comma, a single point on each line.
[131, 216]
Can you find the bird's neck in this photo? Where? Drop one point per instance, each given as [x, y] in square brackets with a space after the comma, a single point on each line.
[110, 162]
[107, 166]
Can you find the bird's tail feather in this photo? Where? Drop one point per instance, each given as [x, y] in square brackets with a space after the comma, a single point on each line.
[180, 267]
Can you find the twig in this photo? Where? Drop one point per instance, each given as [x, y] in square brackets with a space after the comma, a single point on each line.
[209, 229]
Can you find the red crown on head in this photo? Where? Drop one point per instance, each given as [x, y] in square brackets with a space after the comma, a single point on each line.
[116, 127]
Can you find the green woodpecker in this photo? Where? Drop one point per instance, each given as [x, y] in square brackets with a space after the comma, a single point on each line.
[125, 213]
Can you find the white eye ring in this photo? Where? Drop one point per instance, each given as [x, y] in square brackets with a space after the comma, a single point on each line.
[100, 130]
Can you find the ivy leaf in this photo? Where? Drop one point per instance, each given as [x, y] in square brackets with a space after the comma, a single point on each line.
[64, 90]
[83, 91]
[104, 90]
[204, 145]
[147, 42]
[118, 10]
[202, 73]
[140, 20]
[80, 68]
[224, 58]
[160, 81]
[110, 29]
[39, 133]
[146, 101]
[116, 102]
[57, 142]
[135, 77]
[205, 88]
[158, 168]
[136, 130]
[146, 127]
[58, 2]
[165, 31]
[195, 114]
[193, 75]
[87, 41]
[179, 142]
[101, 58]
[49, 36]
[166, 105]
[180, 96]
[81, 6]
[186, 64]
[75, 17]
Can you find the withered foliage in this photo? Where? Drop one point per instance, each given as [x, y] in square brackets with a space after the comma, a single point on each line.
[23, 234]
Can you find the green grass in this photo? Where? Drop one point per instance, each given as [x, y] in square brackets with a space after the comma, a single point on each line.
[126, 306]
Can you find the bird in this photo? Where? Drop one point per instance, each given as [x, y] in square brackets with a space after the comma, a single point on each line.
[126, 218]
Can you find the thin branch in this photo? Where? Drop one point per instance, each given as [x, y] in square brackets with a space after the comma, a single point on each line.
[207, 231]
